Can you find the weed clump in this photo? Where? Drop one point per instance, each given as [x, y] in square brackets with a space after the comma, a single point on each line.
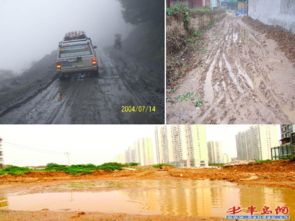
[162, 165]
[14, 170]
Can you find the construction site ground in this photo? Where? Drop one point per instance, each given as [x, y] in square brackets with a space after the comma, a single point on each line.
[273, 174]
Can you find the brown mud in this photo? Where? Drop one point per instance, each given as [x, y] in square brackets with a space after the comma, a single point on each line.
[273, 174]
[243, 77]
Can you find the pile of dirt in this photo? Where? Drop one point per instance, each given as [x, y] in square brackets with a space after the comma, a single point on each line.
[40, 176]
[272, 166]
[276, 173]
[284, 38]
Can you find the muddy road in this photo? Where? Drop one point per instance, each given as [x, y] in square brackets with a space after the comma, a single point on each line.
[243, 77]
[87, 100]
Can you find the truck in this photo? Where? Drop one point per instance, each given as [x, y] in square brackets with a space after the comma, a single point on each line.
[76, 54]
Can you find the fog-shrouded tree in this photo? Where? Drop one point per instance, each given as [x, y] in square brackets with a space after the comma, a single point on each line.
[146, 40]
[141, 11]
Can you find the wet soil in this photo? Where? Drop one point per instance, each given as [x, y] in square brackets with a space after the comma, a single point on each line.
[277, 174]
[122, 81]
[86, 216]
[273, 174]
[244, 77]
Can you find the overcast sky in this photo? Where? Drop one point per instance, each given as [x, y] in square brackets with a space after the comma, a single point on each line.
[41, 144]
[31, 29]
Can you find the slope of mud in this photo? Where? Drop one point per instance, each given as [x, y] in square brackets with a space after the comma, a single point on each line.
[243, 78]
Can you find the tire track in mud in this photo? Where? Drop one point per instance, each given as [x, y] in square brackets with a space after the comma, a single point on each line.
[234, 80]
[23, 100]
[86, 100]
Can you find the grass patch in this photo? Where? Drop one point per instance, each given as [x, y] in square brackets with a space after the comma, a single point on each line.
[14, 170]
[132, 164]
[216, 164]
[192, 97]
[262, 161]
[161, 165]
[83, 168]
[77, 169]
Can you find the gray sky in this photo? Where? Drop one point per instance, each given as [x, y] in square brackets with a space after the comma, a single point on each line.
[42, 144]
[31, 29]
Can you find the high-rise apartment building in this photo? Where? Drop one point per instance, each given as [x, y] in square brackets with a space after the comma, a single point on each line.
[199, 148]
[174, 145]
[287, 148]
[162, 155]
[148, 149]
[179, 145]
[142, 152]
[287, 130]
[1, 154]
[256, 142]
[215, 152]
[185, 145]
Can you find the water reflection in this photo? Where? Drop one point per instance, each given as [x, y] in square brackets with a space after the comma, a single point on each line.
[3, 202]
[168, 197]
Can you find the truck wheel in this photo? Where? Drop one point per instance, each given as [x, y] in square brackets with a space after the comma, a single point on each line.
[96, 73]
[62, 77]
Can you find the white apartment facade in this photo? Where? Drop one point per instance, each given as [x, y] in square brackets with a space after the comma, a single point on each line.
[256, 142]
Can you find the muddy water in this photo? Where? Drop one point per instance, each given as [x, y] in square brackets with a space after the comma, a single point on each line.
[166, 197]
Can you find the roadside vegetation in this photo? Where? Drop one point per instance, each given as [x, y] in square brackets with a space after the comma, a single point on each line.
[78, 169]
[216, 164]
[185, 38]
[262, 161]
[14, 170]
[162, 165]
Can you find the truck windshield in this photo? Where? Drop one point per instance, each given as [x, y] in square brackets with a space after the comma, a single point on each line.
[74, 50]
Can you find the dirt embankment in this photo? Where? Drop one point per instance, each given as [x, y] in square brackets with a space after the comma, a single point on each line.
[18, 89]
[184, 36]
[276, 173]
[285, 39]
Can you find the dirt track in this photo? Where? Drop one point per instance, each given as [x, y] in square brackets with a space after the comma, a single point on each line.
[242, 78]
[123, 81]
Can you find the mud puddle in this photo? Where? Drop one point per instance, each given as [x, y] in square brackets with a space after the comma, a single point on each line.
[151, 197]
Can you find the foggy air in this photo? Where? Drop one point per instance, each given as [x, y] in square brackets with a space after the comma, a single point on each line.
[31, 29]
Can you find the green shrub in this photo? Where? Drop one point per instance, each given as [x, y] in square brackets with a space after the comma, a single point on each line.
[262, 161]
[111, 166]
[76, 169]
[14, 170]
[132, 164]
[181, 11]
[216, 164]
[161, 165]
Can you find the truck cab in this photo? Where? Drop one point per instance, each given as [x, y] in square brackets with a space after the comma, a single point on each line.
[76, 54]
